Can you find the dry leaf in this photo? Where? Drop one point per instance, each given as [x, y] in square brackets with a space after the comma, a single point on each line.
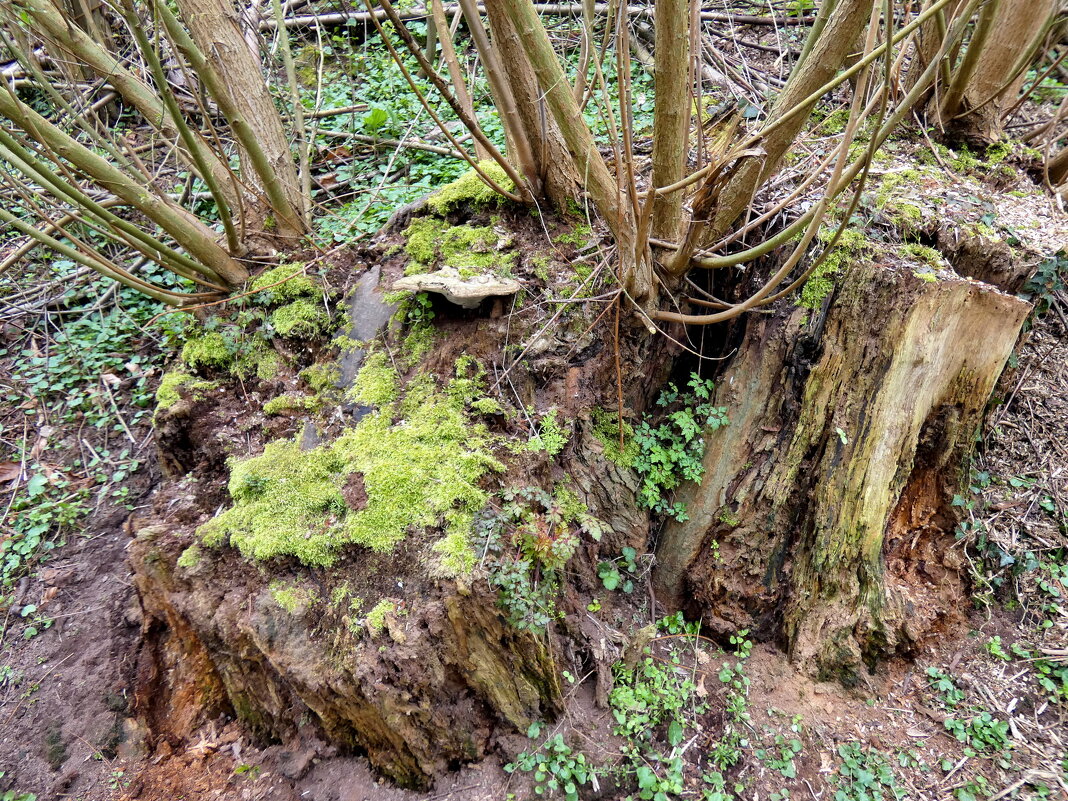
[9, 471]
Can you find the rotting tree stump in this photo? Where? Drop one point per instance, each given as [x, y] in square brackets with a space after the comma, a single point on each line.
[824, 515]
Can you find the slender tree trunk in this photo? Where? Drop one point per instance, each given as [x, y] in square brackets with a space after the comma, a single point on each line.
[187, 230]
[828, 53]
[556, 171]
[1000, 67]
[215, 27]
[1058, 168]
[671, 113]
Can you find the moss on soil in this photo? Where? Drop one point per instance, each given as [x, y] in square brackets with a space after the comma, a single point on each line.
[301, 319]
[208, 350]
[293, 598]
[418, 472]
[294, 284]
[470, 191]
[172, 385]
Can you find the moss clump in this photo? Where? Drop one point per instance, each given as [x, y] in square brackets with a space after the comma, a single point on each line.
[487, 406]
[376, 618]
[173, 383]
[851, 246]
[420, 472]
[295, 284]
[423, 240]
[321, 377]
[921, 253]
[288, 403]
[301, 319]
[929, 278]
[208, 350]
[835, 122]
[577, 236]
[470, 249]
[190, 557]
[606, 431]
[375, 384]
[259, 360]
[293, 598]
[469, 190]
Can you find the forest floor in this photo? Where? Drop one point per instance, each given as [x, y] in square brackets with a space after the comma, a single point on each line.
[981, 714]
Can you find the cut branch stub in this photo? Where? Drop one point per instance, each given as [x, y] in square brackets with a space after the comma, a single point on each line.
[810, 492]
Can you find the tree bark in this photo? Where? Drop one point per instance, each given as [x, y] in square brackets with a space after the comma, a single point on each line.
[239, 88]
[556, 170]
[832, 483]
[671, 113]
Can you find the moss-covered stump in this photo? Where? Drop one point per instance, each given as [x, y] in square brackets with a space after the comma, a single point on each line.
[823, 514]
[425, 689]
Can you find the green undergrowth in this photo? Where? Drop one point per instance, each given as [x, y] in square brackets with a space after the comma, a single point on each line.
[606, 429]
[420, 458]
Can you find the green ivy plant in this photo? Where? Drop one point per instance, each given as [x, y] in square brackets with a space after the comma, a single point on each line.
[672, 451]
[557, 768]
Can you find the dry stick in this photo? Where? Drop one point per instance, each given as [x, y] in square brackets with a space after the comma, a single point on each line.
[334, 112]
[439, 84]
[452, 63]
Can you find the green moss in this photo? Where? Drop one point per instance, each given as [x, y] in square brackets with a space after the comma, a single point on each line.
[469, 190]
[888, 199]
[470, 249]
[375, 384]
[418, 342]
[851, 246]
[423, 237]
[321, 377]
[998, 152]
[577, 236]
[487, 406]
[171, 385]
[728, 518]
[298, 284]
[288, 403]
[921, 253]
[606, 431]
[260, 360]
[303, 319]
[345, 343]
[419, 472]
[208, 350]
[930, 278]
[836, 121]
[190, 557]
[376, 618]
[293, 598]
